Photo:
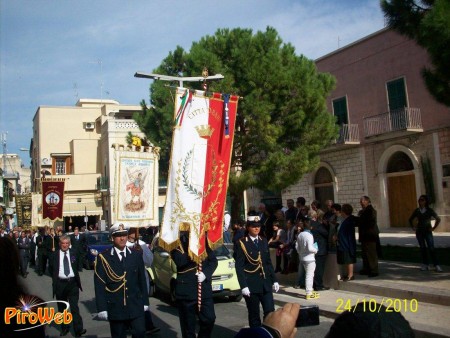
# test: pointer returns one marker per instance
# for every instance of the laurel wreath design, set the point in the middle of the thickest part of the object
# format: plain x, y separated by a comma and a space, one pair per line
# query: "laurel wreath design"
190, 188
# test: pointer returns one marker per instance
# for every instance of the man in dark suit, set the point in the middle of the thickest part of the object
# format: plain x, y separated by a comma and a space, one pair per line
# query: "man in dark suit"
79, 246
66, 284
186, 290
51, 246
368, 237
255, 273
120, 287
41, 263
24, 253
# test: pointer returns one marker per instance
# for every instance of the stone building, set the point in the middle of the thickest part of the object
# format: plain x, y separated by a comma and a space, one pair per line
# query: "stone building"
394, 141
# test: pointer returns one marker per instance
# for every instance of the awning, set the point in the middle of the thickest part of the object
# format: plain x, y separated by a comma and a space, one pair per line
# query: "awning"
82, 209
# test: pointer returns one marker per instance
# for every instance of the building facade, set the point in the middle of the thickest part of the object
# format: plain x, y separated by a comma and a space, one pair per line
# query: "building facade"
394, 142
76, 143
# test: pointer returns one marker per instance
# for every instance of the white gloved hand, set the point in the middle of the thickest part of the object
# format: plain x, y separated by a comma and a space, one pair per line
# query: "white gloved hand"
146, 308
103, 315
276, 286
201, 276
246, 292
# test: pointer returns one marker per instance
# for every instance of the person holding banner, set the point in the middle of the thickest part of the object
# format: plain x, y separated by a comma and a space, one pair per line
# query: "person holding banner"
255, 273
186, 290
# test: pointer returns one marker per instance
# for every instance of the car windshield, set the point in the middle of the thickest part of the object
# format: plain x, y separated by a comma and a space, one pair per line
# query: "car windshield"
98, 239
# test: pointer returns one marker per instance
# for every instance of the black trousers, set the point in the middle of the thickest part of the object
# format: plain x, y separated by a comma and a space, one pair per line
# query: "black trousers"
319, 271
266, 300
188, 309
369, 257
42, 263
69, 292
119, 327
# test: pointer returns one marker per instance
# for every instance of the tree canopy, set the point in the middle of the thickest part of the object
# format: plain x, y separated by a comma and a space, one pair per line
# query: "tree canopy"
282, 121
428, 23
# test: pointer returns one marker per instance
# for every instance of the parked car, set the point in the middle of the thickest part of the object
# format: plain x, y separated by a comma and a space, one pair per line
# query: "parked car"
164, 274
96, 242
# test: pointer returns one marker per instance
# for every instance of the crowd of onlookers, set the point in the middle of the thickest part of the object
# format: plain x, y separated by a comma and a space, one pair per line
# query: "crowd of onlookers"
309, 239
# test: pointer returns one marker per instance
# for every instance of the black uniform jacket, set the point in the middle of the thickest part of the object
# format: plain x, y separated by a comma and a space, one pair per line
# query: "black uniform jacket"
73, 258
187, 280
253, 265
120, 288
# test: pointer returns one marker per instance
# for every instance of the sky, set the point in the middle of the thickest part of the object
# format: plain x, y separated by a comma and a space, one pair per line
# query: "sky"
55, 52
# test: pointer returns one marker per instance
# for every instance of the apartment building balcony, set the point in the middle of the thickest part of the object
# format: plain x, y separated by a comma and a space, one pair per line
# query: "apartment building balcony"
348, 135
103, 183
394, 123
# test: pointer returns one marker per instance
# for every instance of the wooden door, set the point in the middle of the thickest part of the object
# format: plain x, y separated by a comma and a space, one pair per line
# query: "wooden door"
401, 198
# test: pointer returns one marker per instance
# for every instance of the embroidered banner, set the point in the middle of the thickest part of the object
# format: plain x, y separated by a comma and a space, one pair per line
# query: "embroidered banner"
36, 200
199, 168
136, 202
52, 198
24, 210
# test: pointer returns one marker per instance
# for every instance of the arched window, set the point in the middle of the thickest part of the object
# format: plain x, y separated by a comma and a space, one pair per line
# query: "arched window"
399, 162
323, 185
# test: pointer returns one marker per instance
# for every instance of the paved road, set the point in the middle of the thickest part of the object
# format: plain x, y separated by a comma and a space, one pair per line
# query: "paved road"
230, 316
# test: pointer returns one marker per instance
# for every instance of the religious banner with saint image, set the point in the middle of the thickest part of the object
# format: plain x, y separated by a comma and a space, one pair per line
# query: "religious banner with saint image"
52, 198
136, 202
199, 168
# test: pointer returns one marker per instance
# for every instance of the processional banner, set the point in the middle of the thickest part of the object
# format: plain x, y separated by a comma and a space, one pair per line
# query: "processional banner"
136, 202
52, 198
198, 176
24, 210
36, 200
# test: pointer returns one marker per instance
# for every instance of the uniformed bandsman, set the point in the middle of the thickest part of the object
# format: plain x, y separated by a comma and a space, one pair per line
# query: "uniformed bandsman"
120, 287
255, 273
186, 290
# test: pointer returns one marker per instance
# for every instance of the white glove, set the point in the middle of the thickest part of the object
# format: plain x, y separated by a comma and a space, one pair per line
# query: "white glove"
276, 286
103, 315
201, 276
246, 292
146, 308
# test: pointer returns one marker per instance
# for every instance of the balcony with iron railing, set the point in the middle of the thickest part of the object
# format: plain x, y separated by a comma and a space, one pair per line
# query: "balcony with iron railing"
394, 122
103, 183
348, 134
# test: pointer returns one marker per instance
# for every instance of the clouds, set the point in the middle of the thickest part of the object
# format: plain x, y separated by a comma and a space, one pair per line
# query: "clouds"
50, 49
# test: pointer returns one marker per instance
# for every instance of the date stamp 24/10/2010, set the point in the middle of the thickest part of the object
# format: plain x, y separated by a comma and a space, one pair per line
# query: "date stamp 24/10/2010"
372, 305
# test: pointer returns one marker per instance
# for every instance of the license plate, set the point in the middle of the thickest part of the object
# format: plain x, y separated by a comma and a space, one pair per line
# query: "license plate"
217, 287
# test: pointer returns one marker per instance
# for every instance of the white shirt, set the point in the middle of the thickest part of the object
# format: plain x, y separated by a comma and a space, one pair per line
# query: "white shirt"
226, 221
119, 251
61, 265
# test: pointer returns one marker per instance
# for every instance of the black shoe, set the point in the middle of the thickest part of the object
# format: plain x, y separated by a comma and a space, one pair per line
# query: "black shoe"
64, 331
39, 273
79, 334
371, 275
154, 329
343, 279
347, 279
323, 288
